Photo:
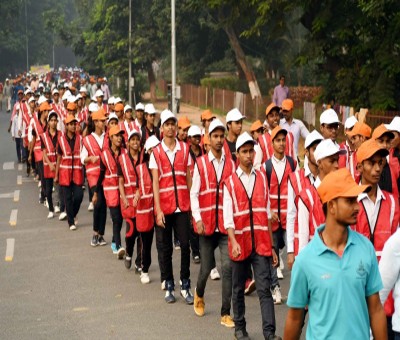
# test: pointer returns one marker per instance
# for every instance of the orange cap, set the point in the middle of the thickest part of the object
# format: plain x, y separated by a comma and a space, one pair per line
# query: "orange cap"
270, 107
99, 115
184, 122
256, 125
45, 106
206, 115
339, 183
380, 131
119, 107
360, 129
287, 105
71, 106
206, 139
70, 118
72, 89
368, 149
115, 130
277, 130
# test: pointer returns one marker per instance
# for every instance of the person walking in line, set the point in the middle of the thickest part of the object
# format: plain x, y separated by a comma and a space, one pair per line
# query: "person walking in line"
69, 172
169, 164
246, 216
206, 200
337, 274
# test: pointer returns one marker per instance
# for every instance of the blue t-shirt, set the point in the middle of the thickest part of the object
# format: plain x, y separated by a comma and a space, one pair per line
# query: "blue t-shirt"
335, 288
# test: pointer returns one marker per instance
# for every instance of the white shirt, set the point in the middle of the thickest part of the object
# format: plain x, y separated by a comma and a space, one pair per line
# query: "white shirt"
196, 182
18, 126
292, 210
99, 140
248, 183
279, 167
371, 208
258, 157
297, 128
303, 217
389, 268
138, 123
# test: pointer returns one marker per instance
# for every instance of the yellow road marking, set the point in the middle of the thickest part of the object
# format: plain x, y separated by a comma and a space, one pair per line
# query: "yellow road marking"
13, 217
10, 249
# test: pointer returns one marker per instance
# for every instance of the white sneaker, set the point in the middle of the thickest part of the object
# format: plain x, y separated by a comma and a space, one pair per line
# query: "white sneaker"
57, 209
72, 227
62, 216
121, 253
279, 273
145, 278
281, 262
214, 275
39, 184
90, 207
277, 296
163, 285
50, 215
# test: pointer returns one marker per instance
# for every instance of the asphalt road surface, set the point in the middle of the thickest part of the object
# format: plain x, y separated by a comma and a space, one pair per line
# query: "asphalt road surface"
54, 285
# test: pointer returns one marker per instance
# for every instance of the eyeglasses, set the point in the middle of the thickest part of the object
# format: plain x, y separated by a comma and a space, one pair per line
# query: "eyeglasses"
331, 126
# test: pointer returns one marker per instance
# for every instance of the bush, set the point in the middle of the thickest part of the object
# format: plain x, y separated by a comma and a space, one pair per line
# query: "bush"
226, 83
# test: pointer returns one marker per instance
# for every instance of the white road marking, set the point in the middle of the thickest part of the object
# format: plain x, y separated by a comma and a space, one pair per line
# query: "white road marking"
80, 309
19, 180
13, 217
16, 195
10, 249
8, 165
8, 195
20, 167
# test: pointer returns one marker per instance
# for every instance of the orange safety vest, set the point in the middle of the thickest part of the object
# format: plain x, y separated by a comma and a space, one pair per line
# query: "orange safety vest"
313, 203
70, 166
278, 192
51, 151
265, 143
394, 172
131, 126
344, 159
37, 149
174, 192
145, 206
94, 149
250, 217
210, 194
110, 182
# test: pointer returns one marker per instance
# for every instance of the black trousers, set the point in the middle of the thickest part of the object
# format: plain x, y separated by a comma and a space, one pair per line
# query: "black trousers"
116, 218
73, 196
40, 169
99, 211
49, 193
180, 224
262, 275
194, 241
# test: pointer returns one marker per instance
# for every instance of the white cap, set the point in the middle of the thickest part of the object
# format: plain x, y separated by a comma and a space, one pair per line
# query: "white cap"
55, 91
99, 93
83, 89
329, 117
312, 137
66, 86
150, 109
42, 99
52, 113
395, 124
93, 107
216, 124
31, 99
93, 99
243, 139
111, 100
78, 97
117, 100
71, 99
350, 122
194, 130
127, 107
28, 90
66, 95
165, 115
134, 132
112, 116
234, 115
41, 85
104, 78
151, 142
7, 79
139, 106
327, 148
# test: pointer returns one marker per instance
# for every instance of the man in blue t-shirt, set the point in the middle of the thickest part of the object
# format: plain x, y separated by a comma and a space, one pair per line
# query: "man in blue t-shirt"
337, 274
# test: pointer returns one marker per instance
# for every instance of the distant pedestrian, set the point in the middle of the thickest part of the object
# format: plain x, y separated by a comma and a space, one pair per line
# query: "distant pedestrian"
281, 92
8, 90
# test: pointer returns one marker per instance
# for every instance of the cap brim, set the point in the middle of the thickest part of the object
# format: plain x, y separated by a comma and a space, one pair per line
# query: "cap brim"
274, 107
247, 142
383, 152
355, 190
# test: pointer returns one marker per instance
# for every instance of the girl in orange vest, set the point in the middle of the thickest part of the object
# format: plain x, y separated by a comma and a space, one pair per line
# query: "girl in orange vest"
69, 170
109, 180
93, 144
49, 148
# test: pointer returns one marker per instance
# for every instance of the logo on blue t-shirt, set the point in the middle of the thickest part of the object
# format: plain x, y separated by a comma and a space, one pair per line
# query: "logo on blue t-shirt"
361, 269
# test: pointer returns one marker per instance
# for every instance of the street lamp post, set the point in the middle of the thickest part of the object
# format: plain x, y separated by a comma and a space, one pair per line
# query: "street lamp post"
173, 57
26, 39
130, 53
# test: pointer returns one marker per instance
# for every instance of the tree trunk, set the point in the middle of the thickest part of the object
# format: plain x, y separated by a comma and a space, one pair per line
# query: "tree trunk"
241, 60
152, 82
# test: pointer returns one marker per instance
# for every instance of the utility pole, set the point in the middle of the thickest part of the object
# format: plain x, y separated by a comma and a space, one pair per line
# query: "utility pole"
173, 57
26, 38
130, 53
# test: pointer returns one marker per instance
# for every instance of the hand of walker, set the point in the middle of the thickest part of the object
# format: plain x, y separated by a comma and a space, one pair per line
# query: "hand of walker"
126, 202
200, 228
94, 159
94, 198
274, 258
160, 219
275, 217
236, 251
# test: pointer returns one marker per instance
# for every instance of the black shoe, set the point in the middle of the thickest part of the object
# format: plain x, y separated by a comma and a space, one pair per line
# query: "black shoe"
102, 241
242, 335
128, 262
95, 241
177, 245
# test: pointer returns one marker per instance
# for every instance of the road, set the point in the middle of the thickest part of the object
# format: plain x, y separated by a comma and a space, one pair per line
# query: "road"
54, 285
